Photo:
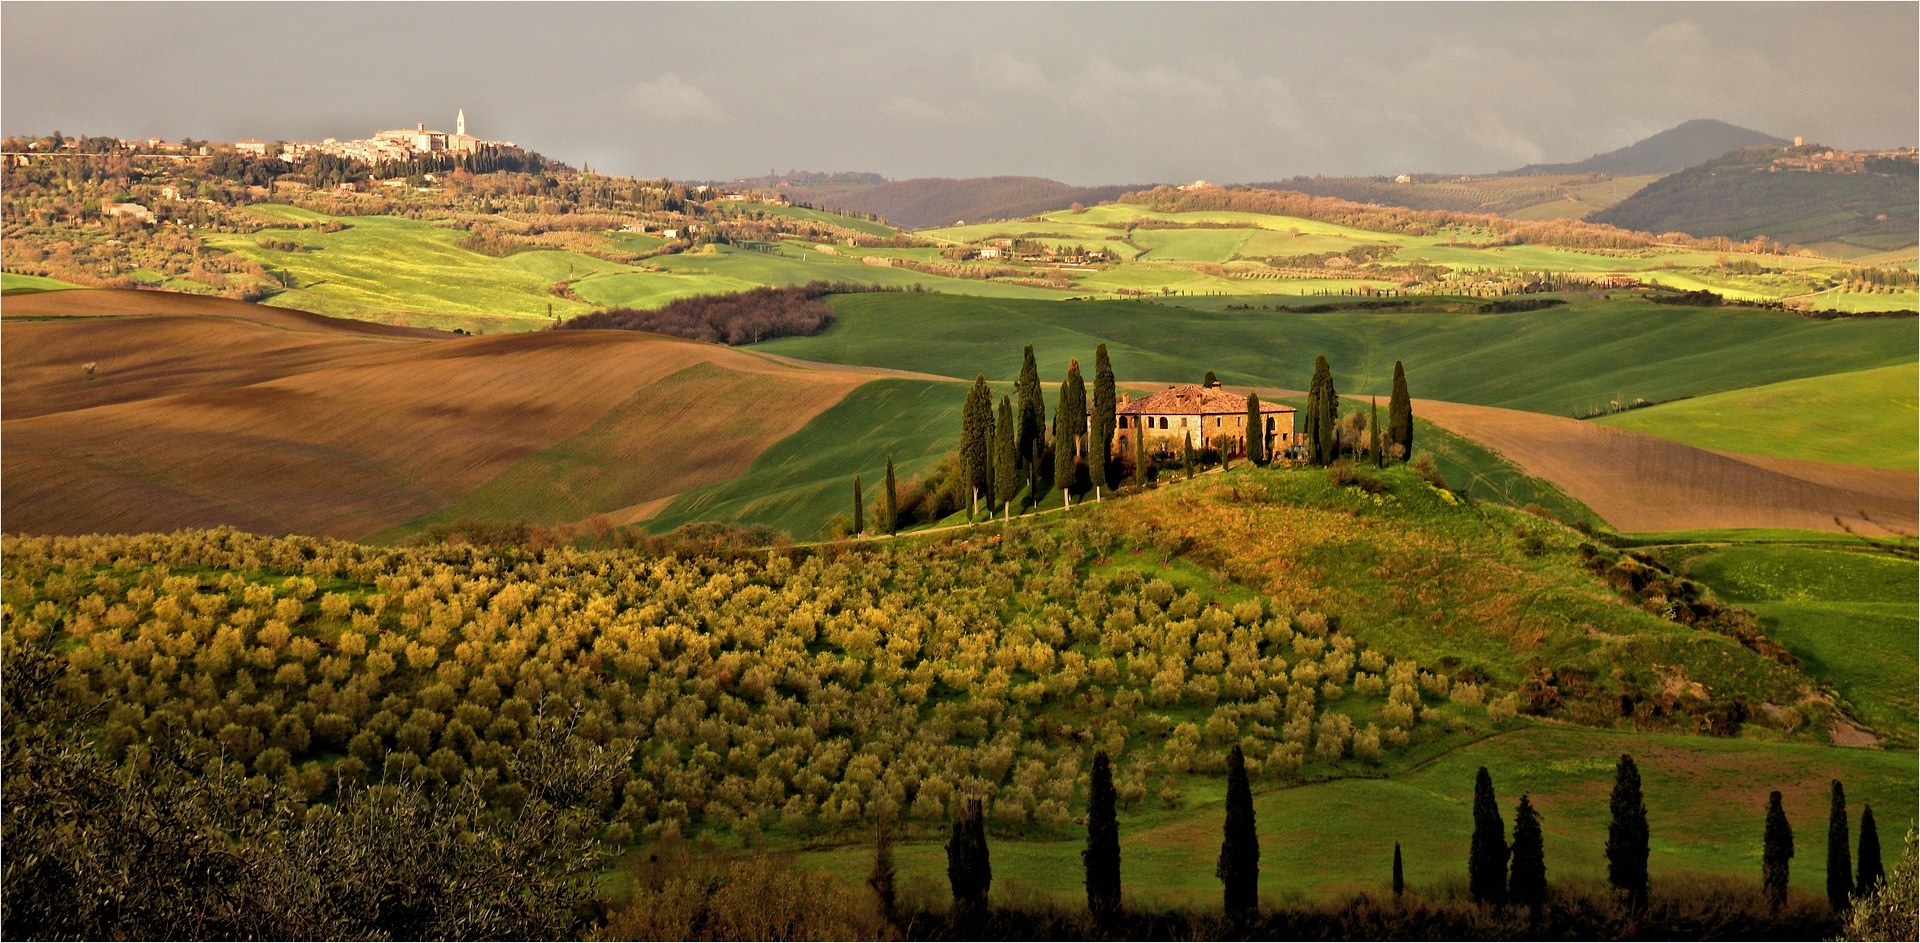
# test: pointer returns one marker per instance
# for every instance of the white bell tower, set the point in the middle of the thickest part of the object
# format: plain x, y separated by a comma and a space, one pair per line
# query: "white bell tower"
460, 123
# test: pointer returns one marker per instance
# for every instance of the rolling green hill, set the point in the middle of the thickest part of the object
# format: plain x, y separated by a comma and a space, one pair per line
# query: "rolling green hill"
1865, 417
1562, 360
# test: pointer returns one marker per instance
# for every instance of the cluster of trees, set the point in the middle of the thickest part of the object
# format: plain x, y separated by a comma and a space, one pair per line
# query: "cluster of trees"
1328, 437
766, 692
744, 317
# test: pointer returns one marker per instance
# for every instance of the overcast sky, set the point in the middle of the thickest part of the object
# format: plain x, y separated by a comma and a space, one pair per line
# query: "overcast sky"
1085, 92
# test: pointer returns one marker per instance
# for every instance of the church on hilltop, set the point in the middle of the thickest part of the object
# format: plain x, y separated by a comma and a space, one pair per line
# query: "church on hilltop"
419, 140
1200, 415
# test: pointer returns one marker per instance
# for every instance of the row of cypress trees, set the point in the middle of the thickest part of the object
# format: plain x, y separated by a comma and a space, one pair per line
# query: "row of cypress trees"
1498, 872
1490, 881
1843, 882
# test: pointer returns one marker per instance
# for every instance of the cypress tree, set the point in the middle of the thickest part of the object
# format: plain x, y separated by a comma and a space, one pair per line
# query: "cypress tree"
1487, 858
881, 878
1186, 453
1400, 414
1069, 423
1139, 453
1839, 851
1210, 380
1005, 480
1239, 865
1776, 851
1256, 431
976, 441
1627, 834
1101, 441
1323, 414
892, 510
1399, 876
1102, 857
969, 870
1374, 427
1872, 874
1031, 437
859, 509
1528, 883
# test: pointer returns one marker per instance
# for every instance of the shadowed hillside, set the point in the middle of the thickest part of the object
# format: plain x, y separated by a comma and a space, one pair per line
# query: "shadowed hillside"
1746, 194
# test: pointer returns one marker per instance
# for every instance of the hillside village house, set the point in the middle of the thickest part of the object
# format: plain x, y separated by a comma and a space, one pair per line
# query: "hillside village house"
1200, 415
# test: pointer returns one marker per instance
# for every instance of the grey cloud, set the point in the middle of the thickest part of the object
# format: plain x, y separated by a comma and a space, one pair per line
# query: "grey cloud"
1087, 93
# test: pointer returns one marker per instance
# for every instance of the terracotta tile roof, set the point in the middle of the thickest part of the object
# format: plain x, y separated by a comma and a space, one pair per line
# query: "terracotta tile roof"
1192, 400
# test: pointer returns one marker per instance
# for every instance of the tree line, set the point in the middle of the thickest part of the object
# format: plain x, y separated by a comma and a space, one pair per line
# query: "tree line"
734, 318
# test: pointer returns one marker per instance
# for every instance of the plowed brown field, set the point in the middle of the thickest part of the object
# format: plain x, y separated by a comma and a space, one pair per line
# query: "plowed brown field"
204, 412
1640, 483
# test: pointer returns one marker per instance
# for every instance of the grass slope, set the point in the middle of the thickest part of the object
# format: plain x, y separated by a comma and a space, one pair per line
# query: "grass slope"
11, 282
1865, 417
1557, 361
730, 269
1848, 614
799, 484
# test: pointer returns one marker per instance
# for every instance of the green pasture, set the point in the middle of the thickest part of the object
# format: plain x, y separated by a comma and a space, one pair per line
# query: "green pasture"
1865, 417
1562, 360
1848, 613
1706, 804
13, 281
800, 483
388, 268
1191, 245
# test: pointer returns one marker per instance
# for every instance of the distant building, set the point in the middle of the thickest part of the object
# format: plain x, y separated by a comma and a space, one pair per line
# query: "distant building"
1199, 415
250, 146
130, 210
1403, 178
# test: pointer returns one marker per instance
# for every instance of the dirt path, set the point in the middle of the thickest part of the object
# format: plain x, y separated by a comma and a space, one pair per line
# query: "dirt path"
1643, 484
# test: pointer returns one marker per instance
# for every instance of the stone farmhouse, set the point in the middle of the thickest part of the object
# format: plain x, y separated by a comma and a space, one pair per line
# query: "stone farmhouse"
1200, 415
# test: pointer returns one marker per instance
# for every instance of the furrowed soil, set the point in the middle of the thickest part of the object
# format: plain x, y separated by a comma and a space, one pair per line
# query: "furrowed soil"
1641, 483
205, 412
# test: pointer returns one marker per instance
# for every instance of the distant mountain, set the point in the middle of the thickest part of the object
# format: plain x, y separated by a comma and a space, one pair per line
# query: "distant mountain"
1671, 150
1867, 202
940, 201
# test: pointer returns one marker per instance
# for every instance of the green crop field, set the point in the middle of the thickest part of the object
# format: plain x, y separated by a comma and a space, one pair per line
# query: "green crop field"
800, 483
13, 281
1706, 800
1191, 245
1848, 613
388, 268
1561, 360
1866, 417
